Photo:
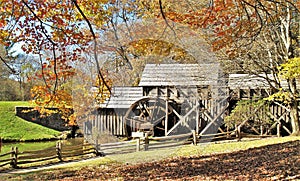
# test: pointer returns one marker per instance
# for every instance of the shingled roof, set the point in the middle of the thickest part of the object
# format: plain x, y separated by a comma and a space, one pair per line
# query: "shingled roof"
246, 81
180, 74
123, 97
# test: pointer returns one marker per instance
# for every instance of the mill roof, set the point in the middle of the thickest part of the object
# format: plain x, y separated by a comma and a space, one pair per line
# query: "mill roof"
246, 81
123, 97
180, 74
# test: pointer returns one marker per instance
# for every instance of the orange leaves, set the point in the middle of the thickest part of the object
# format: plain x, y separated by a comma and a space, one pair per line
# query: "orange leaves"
44, 98
146, 47
101, 91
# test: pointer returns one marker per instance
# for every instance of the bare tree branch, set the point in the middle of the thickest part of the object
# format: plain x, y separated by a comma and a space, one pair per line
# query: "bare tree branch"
52, 43
8, 66
95, 45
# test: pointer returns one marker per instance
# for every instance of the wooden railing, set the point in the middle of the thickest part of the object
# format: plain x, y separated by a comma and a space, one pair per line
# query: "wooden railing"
60, 153
142, 143
6, 161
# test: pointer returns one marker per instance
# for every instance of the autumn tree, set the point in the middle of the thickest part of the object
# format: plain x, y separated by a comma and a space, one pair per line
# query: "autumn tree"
243, 32
57, 33
149, 40
254, 36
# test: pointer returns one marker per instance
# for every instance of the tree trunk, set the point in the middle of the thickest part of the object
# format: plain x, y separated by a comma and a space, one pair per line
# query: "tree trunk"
294, 107
294, 118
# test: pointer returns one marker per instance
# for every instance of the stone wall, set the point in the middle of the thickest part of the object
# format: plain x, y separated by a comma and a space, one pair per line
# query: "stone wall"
53, 121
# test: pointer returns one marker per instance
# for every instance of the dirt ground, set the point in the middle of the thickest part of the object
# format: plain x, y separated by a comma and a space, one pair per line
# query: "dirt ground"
272, 162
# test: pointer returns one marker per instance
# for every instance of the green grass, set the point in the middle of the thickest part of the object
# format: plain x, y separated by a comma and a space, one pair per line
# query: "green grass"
28, 146
13, 128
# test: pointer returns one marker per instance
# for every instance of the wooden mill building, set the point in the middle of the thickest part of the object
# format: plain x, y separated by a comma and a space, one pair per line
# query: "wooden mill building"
184, 94
176, 99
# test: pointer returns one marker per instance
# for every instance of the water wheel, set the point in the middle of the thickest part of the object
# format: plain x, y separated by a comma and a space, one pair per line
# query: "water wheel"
150, 115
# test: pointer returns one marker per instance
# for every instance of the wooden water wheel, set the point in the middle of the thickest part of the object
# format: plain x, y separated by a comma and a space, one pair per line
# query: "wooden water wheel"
152, 115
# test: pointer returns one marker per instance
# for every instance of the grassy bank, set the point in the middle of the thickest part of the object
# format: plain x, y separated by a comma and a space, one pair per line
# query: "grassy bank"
13, 128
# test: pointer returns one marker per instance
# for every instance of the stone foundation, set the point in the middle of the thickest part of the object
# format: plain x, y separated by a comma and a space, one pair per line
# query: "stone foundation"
53, 121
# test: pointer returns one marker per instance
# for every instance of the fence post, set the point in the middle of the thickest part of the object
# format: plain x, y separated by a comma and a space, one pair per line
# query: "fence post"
58, 150
97, 148
278, 129
194, 137
138, 142
16, 157
13, 156
228, 134
146, 145
239, 133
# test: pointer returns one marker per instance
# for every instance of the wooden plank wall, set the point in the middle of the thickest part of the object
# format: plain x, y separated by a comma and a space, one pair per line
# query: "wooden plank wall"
107, 120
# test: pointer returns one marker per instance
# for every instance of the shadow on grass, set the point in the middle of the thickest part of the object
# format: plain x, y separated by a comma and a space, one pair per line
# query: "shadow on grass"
279, 162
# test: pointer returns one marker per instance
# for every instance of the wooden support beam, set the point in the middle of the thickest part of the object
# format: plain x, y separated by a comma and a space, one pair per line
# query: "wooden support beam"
213, 120
194, 137
255, 130
278, 122
182, 119
138, 143
166, 118
278, 129
197, 117
287, 130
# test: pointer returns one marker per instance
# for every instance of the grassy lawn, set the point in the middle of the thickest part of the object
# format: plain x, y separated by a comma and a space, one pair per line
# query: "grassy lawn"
14, 128
125, 160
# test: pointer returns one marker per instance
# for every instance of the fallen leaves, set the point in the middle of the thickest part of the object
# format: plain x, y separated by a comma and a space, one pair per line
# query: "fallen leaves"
272, 162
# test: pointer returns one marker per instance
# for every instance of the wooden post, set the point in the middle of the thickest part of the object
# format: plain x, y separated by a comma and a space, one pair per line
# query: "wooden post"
97, 152
239, 133
146, 145
197, 115
236, 131
16, 157
194, 137
166, 119
278, 129
13, 157
227, 130
138, 142
261, 130
58, 150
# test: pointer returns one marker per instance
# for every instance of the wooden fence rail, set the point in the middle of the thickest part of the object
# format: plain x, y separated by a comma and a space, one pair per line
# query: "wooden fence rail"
56, 154
61, 153
5, 161
151, 143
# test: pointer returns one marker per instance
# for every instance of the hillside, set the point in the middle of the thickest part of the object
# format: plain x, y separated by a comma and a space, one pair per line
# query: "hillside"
14, 128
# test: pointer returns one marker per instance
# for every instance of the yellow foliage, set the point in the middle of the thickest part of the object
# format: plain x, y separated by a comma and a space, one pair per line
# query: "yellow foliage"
291, 69
145, 47
44, 99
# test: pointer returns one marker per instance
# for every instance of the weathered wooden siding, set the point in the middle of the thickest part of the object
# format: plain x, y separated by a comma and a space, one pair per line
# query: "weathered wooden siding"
180, 82
106, 120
